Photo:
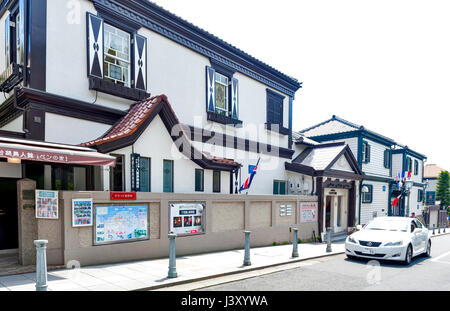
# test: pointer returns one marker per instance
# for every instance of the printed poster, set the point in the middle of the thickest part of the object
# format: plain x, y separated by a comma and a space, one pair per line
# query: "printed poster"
46, 204
121, 223
308, 212
187, 218
81, 212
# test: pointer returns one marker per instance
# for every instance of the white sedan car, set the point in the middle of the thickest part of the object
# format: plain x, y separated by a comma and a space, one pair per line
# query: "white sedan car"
390, 238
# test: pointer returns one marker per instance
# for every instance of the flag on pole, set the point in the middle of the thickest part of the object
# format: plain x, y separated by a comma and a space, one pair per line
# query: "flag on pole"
395, 202
248, 181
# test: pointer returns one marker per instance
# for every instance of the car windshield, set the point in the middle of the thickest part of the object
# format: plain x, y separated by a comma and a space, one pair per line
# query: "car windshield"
387, 224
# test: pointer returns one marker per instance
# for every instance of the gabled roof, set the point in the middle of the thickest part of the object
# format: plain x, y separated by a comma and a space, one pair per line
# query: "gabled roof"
337, 125
319, 160
405, 149
130, 127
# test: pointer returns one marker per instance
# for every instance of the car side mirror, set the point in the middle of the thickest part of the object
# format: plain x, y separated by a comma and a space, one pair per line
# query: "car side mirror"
358, 227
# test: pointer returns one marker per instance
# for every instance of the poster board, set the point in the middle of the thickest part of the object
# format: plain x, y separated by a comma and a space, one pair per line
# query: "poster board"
121, 223
46, 204
187, 218
81, 213
308, 212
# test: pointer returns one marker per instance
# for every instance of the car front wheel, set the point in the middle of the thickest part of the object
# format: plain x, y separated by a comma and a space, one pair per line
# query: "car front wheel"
408, 256
428, 251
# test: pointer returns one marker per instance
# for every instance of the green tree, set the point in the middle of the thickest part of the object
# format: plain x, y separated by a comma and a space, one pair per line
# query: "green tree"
443, 189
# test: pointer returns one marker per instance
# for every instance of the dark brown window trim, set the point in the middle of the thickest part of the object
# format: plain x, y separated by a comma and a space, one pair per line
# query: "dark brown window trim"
215, 117
238, 143
111, 88
277, 129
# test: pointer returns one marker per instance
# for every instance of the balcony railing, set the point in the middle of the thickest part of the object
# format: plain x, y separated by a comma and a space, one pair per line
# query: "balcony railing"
11, 77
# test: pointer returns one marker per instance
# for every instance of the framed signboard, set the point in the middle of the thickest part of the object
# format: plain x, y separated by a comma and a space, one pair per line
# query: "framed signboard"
121, 223
308, 212
187, 218
81, 212
46, 204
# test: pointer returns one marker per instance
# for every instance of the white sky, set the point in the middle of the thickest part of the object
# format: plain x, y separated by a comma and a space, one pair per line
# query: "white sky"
383, 64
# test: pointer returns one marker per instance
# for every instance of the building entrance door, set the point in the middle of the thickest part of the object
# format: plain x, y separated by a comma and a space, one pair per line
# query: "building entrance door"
8, 214
336, 211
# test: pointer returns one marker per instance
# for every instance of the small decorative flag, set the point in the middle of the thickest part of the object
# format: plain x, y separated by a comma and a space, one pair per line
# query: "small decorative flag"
248, 181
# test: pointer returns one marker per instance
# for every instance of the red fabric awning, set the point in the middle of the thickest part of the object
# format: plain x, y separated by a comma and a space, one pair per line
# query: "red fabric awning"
54, 153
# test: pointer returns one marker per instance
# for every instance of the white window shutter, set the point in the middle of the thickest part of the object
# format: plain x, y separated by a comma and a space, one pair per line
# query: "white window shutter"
235, 98
210, 89
140, 62
95, 45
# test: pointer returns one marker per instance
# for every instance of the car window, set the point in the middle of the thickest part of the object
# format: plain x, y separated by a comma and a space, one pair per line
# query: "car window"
418, 224
413, 226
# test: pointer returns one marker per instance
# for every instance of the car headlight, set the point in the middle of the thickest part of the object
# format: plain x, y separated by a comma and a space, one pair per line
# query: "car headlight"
351, 240
398, 243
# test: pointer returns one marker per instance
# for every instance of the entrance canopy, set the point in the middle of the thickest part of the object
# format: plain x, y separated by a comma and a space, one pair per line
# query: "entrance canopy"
26, 150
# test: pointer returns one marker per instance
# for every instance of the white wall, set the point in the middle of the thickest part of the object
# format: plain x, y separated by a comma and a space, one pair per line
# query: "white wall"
67, 56
66, 130
173, 70
376, 164
414, 206
15, 126
379, 202
397, 164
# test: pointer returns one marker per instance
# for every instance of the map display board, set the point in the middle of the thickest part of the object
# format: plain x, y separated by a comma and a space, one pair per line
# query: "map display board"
46, 204
187, 218
81, 212
308, 212
121, 223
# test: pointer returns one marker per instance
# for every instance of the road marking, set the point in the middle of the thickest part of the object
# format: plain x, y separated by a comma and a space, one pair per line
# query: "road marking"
437, 259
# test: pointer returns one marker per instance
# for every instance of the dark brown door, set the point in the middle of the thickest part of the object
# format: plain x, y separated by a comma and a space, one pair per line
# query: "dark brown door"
8, 214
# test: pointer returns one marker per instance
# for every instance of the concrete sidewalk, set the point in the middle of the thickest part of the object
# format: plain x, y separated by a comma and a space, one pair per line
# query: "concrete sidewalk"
152, 274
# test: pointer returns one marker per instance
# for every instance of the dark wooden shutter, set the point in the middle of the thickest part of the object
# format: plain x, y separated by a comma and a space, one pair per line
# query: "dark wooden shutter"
210, 89
235, 98
7, 41
95, 45
140, 62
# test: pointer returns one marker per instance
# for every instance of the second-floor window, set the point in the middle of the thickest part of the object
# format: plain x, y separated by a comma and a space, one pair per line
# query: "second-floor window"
387, 158
274, 108
365, 152
15, 35
416, 167
117, 56
222, 95
221, 90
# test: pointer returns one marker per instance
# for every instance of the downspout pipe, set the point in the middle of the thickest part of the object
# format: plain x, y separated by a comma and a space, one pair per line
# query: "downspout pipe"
16, 106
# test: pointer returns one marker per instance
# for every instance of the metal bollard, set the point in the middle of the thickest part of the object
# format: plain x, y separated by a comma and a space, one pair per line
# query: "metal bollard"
41, 265
247, 249
439, 229
434, 226
172, 257
329, 240
295, 243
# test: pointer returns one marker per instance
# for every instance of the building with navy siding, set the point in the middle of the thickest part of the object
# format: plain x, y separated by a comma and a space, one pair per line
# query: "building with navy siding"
380, 159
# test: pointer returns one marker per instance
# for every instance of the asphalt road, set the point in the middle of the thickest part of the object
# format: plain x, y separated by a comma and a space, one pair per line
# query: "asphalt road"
338, 273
